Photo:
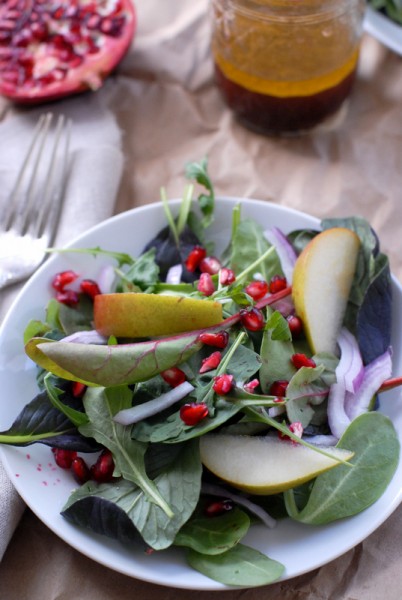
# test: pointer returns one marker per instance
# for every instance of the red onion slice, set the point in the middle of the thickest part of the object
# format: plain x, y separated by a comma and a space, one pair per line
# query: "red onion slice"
106, 279
139, 412
174, 274
285, 251
350, 367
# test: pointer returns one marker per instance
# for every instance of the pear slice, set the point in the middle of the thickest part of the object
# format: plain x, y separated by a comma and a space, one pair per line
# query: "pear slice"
265, 465
322, 280
151, 315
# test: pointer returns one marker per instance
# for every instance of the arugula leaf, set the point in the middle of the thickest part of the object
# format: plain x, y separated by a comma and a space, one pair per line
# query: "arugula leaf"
199, 172
101, 404
343, 492
142, 275
240, 565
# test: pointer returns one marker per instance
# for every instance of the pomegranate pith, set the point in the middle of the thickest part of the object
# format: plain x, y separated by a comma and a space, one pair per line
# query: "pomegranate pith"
50, 49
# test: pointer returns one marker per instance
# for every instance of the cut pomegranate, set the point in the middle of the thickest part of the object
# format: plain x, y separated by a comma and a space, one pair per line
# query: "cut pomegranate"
252, 319
211, 265
64, 458
205, 284
78, 389
295, 325
193, 413
62, 279
300, 360
211, 362
54, 48
68, 297
277, 284
102, 470
257, 289
218, 507
217, 340
226, 276
278, 388
194, 258
90, 288
296, 428
174, 376
80, 470
251, 385
223, 384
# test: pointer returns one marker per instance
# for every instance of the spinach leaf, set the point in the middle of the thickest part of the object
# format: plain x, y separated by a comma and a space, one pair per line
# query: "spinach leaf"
345, 491
179, 484
304, 389
214, 535
240, 565
101, 404
276, 353
248, 244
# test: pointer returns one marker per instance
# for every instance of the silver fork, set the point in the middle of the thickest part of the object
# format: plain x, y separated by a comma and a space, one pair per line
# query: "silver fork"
29, 218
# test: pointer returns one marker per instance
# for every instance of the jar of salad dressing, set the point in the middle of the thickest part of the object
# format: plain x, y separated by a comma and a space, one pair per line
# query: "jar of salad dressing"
286, 66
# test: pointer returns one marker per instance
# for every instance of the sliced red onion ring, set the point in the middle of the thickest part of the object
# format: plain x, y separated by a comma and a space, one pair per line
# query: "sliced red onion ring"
137, 413
174, 274
321, 440
86, 337
350, 367
375, 373
285, 251
338, 420
106, 279
216, 490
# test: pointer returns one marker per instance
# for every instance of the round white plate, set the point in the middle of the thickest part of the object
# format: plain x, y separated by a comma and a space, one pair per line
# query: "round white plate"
383, 29
45, 488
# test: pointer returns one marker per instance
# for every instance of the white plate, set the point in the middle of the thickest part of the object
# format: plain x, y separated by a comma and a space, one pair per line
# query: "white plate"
46, 488
383, 29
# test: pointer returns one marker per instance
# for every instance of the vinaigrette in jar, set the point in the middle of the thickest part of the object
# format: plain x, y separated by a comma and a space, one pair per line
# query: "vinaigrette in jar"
286, 66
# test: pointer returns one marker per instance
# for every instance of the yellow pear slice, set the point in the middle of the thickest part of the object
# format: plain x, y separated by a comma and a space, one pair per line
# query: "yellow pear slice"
151, 315
265, 465
322, 281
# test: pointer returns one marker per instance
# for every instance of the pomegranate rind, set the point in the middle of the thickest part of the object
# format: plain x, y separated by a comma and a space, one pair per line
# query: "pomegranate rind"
89, 76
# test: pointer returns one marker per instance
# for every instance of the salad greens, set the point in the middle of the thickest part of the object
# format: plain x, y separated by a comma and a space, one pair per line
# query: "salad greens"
160, 492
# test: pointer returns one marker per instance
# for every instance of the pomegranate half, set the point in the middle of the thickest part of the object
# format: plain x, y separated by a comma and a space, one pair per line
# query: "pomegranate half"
50, 49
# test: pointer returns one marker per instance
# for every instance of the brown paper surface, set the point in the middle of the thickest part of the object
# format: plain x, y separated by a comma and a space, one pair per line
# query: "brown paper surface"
170, 112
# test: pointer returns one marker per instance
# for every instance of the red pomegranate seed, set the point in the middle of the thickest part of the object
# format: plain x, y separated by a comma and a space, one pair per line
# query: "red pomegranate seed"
252, 319
278, 388
218, 507
68, 297
194, 258
211, 362
174, 376
205, 284
277, 284
60, 280
251, 385
64, 458
193, 413
226, 276
223, 384
301, 360
90, 288
80, 470
295, 325
211, 265
296, 428
102, 470
78, 389
257, 289
217, 340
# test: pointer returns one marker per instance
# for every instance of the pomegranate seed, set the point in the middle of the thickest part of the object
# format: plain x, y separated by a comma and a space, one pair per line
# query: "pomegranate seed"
257, 289
277, 284
80, 470
223, 384
279, 387
68, 297
60, 280
251, 385
211, 362
64, 458
211, 265
193, 413
226, 276
194, 258
296, 428
301, 360
113, 26
94, 21
252, 319
218, 507
102, 470
217, 340
174, 376
295, 325
78, 389
90, 288
205, 284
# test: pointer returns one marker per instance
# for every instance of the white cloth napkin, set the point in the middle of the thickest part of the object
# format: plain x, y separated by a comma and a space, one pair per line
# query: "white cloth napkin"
95, 168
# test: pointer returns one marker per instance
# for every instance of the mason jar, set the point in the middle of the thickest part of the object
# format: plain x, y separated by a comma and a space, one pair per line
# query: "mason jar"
286, 66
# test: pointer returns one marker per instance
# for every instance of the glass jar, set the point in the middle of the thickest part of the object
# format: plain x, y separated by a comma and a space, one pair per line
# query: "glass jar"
286, 66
